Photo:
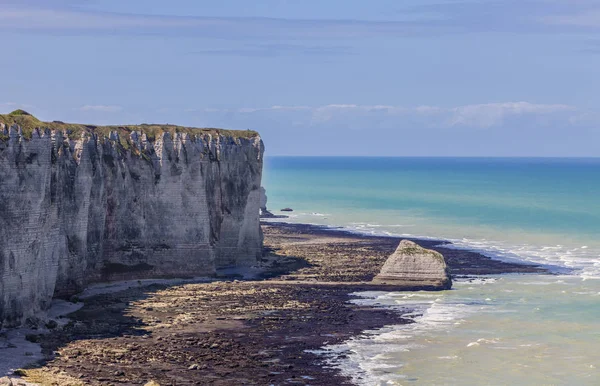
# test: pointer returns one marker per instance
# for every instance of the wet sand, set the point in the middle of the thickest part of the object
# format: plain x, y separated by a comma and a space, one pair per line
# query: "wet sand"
239, 332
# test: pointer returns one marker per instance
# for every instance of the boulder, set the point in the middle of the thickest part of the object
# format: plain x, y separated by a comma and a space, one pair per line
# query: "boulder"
415, 267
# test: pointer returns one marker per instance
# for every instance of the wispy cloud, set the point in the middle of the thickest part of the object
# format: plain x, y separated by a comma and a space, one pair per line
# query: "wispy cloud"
588, 18
275, 50
521, 16
492, 114
249, 110
548, 16
101, 108
66, 20
477, 116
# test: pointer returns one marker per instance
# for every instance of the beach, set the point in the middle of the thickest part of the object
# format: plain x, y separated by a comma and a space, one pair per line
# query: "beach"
267, 330
504, 328
368, 193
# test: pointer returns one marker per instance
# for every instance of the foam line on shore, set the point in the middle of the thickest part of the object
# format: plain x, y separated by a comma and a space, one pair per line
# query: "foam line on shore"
365, 358
559, 259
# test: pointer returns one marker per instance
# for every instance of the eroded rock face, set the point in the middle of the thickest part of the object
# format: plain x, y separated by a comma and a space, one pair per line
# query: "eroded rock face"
78, 211
263, 199
414, 267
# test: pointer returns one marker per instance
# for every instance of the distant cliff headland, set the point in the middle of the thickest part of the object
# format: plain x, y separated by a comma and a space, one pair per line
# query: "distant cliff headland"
82, 203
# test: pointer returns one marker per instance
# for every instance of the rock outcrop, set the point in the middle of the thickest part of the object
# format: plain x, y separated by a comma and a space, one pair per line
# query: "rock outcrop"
263, 200
414, 267
264, 212
82, 204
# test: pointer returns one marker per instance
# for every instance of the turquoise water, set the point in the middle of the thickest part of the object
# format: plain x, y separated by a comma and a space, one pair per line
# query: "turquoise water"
543, 210
512, 329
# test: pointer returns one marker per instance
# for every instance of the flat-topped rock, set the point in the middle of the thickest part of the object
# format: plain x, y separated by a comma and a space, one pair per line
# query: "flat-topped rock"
415, 267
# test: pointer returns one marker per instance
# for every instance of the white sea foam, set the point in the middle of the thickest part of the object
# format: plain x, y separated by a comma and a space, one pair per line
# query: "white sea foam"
583, 261
475, 280
559, 258
366, 358
376, 358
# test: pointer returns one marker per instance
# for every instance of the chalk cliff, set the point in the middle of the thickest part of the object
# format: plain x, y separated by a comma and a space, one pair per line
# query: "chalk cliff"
415, 267
81, 204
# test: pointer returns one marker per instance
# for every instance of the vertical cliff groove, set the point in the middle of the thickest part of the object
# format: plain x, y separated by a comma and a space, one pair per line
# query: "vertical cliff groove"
83, 204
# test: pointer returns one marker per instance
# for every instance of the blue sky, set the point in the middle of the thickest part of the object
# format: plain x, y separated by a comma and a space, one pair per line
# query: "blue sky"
326, 77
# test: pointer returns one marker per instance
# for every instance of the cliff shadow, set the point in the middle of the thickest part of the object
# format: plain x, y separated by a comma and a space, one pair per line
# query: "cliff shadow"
103, 316
278, 265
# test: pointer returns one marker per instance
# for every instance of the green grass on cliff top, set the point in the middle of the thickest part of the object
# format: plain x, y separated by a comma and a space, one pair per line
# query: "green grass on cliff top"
28, 123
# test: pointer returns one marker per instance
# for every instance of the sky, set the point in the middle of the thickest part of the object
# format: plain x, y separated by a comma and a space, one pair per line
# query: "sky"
318, 77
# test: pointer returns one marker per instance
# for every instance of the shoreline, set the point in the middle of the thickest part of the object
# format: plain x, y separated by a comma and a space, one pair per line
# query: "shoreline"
488, 251
463, 262
241, 331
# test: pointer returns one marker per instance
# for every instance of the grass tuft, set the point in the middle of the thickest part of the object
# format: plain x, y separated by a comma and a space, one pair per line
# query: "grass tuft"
29, 124
19, 112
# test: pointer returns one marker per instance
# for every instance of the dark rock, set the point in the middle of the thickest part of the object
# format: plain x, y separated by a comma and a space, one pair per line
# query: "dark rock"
33, 338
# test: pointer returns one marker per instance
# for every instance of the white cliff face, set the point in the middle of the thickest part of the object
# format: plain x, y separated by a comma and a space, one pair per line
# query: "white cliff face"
415, 267
75, 211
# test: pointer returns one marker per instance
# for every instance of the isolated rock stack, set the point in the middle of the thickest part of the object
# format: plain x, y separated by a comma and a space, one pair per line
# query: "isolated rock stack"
414, 267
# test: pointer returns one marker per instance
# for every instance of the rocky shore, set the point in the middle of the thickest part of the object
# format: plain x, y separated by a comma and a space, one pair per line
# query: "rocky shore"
237, 331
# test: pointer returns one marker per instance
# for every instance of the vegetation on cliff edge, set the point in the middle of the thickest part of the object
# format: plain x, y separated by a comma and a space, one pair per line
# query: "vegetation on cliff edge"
29, 123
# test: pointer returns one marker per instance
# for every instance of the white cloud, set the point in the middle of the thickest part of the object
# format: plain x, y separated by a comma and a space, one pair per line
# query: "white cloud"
476, 115
101, 108
492, 114
247, 110
479, 116
251, 110
290, 108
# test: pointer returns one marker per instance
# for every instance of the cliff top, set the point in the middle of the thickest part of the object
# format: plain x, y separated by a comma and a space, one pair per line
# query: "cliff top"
28, 123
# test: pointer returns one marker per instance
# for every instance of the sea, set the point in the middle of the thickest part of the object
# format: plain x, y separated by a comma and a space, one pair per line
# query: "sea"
515, 329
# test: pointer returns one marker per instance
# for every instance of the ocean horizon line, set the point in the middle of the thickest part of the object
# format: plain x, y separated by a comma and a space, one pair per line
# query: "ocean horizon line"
434, 156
